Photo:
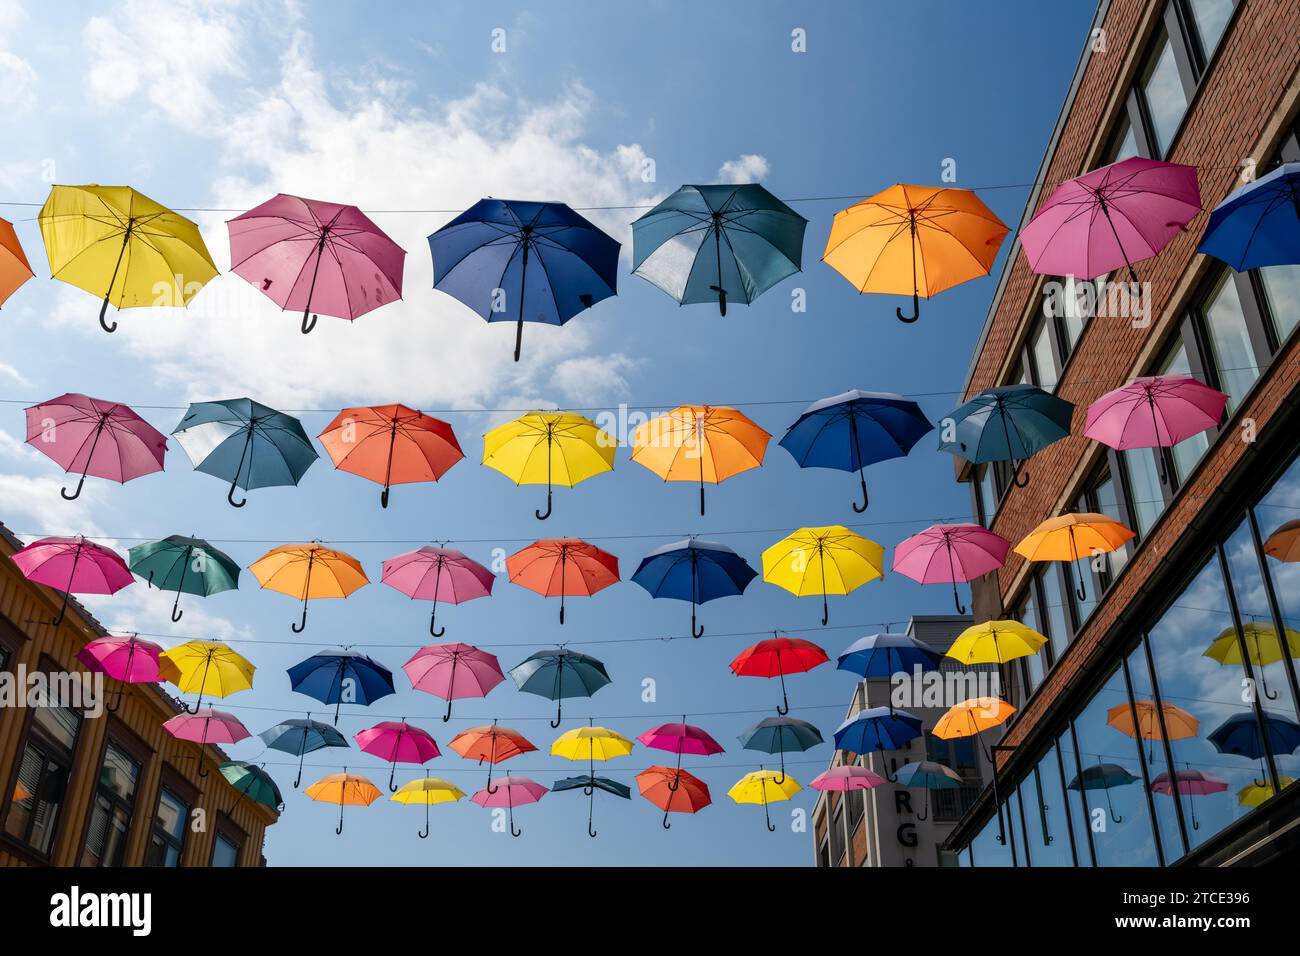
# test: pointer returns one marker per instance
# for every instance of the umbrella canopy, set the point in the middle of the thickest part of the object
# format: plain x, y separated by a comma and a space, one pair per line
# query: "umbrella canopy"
682, 738
1259, 224
927, 775
568, 567
696, 571
390, 445
301, 736
948, 553
776, 657
427, 791
828, 560
333, 677
206, 726
883, 655
492, 744
345, 789
551, 448
846, 777
453, 672
127, 658
700, 443
118, 243
673, 790
764, 786
591, 743
854, 429
1284, 543
307, 572
1071, 537
14, 268
589, 784
322, 257
972, 717
1194, 782
1263, 645
718, 243
207, 667
184, 565
1007, 423
1102, 777
437, 574
1257, 792
877, 728
95, 437
252, 782
245, 443
1111, 217
1179, 724
995, 642
1239, 735
781, 735
397, 742
510, 792
483, 258
1155, 411
558, 674
914, 239
73, 566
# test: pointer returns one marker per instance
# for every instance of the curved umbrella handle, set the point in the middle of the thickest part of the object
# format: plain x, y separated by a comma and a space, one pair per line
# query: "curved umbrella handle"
230, 496
667, 825
514, 832
73, 497
767, 817
956, 599
916, 310
435, 631
925, 813
696, 632
308, 321
722, 299
866, 500
177, 613
591, 804
383, 498
424, 834
113, 708
447, 716
826, 611
63, 610
392, 784
339, 829
543, 515
301, 625
103, 311
559, 705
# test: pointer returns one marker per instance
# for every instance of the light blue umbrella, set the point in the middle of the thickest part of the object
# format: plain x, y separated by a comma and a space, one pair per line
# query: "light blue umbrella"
300, 737
926, 775
559, 673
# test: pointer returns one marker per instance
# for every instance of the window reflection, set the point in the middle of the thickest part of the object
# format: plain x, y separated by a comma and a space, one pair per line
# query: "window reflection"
1210, 18
1162, 88
1189, 451
1077, 797
1230, 345
1043, 799
1282, 297
1151, 730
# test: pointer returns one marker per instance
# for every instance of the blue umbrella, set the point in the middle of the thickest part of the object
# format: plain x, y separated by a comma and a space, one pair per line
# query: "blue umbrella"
482, 257
1102, 777
781, 735
854, 429
1007, 423
927, 775
330, 676
694, 570
245, 443
589, 784
300, 737
1239, 735
560, 673
881, 656
877, 728
711, 243
1259, 224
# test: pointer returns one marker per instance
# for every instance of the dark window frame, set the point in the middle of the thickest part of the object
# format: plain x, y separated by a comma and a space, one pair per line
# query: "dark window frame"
125, 740
172, 781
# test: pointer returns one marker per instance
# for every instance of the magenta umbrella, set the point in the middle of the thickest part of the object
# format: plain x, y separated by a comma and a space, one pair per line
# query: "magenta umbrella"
680, 739
846, 777
95, 437
73, 566
206, 726
437, 574
1155, 411
397, 742
1111, 217
321, 257
453, 671
1194, 783
129, 659
945, 553
510, 792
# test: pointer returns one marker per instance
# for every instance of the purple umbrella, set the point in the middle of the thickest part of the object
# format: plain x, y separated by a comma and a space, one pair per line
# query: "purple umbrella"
95, 437
437, 574
950, 553
510, 792
73, 566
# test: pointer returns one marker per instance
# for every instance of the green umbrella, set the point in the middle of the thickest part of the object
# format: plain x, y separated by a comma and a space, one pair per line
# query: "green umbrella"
186, 566
252, 782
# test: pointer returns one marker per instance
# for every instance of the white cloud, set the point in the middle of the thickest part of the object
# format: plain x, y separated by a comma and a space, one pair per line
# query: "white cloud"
748, 168
18, 80
593, 379
13, 375
28, 503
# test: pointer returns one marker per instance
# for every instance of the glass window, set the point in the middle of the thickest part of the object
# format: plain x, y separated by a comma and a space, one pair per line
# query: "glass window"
987, 849
837, 829
1056, 615
225, 852
1162, 91
1210, 18
1105, 499
1040, 353
1282, 297
1043, 800
1151, 735
168, 841
1230, 345
1123, 143
1188, 452
110, 818
1144, 485
1080, 818
42, 781
1035, 664
1015, 828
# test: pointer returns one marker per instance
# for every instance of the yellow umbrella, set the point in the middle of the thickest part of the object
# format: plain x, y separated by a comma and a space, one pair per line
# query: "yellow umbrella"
591, 743
427, 791
1257, 791
972, 717
829, 560
704, 443
551, 448
307, 571
115, 242
1071, 537
1263, 647
206, 667
995, 642
764, 786
345, 789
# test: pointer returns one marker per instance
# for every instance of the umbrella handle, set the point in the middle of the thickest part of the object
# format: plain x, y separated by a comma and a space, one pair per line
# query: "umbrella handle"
1018, 477
103, 311
447, 716
925, 813
916, 311
230, 496
543, 515
956, 599
722, 299
308, 322
667, 825
767, 818
383, 498
696, 632
826, 611
392, 785
177, 613
514, 832
80, 482
339, 829
113, 709
859, 508
559, 705
435, 631
63, 610
301, 625
424, 834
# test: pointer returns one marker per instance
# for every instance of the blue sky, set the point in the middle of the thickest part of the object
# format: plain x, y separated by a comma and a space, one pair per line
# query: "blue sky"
207, 104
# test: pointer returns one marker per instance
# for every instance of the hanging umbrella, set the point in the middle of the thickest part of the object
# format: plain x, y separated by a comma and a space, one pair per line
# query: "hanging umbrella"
555, 448
1284, 543
453, 672
1263, 644
322, 257
1103, 777
995, 642
333, 676
427, 791
776, 657
680, 739
764, 786
877, 728
714, 243
73, 566
437, 574
854, 429
1007, 423
781, 736
207, 667
115, 242
881, 656
1193, 783
481, 258
511, 792
694, 570
591, 744
1239, 735
1155, 411
589, 784
245, 443
948, 553
390, 445
568, 567
206, 726
253, 782
309, 571
14, 268
1111, 217
129, 659
972, 717
185, 566
673, 790
345, 789
927, 775
301, 736
1257, 792
699, 443
1259, 224
397, 742
559, 673
1071, 537
493, 744
1178, 722
95, 437
914, 239
829, 560
845, 778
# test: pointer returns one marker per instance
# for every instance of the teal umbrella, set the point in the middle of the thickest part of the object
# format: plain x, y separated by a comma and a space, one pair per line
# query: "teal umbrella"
926, 775
781, 735
184, 565
1007, 423
1102, 777
589, 784
252, 782
560, 673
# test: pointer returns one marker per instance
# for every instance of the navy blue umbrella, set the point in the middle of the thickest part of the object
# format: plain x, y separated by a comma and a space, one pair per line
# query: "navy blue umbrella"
300, 737
332, 676
1007, 423
694, 570
881, 656
1259, 224
589, 784
877, 728
781, 735
483, 258
1239, 735
854, 429
559, 673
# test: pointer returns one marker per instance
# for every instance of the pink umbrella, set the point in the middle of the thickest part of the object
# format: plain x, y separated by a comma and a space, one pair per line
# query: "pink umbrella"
73, 566
321, 257
847, 777
950, 553
1155, 411
398, 742
95, 437
206, 726
437, 574
452, 671
680, 739
1111, 217
510, 792
1194, 783
129, 659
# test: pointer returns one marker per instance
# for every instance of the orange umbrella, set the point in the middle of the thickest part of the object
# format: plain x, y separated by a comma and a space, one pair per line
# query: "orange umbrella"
306, 571
914, 239
563, 566
1071, 537
14, 268
1284, 543
699, 443
972, 717
1178, 722
391, 445
345, 789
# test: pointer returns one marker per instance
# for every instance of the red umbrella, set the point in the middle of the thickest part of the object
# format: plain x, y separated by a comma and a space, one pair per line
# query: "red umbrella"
493, 744
563, 566
673, 790
453, 671
95, 437
206, 726
438, 574
73, 566
397, 742
776, 657
391, 445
